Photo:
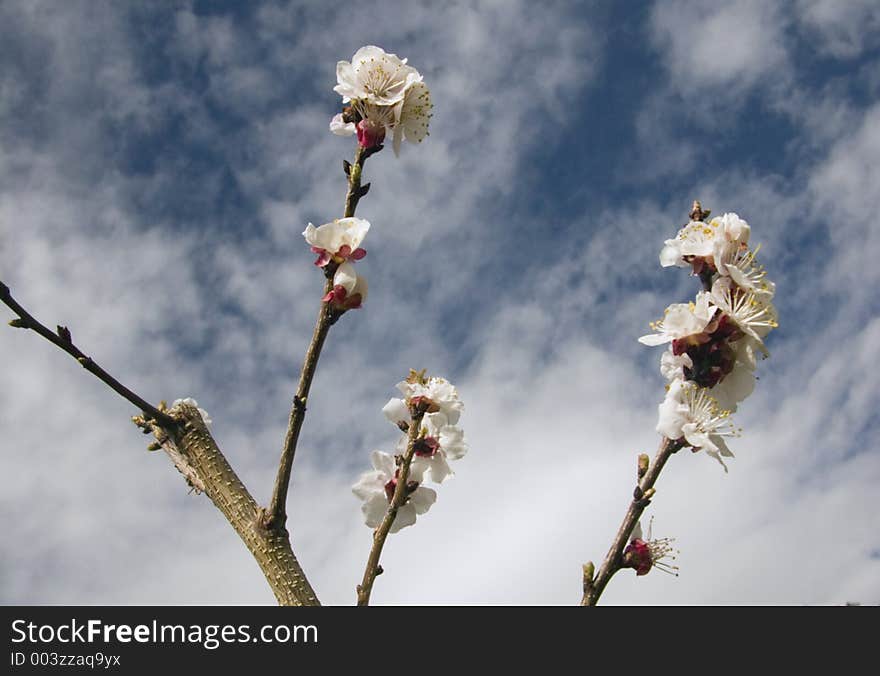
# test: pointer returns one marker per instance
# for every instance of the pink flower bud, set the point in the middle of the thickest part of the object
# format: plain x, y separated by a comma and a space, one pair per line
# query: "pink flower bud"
370, 133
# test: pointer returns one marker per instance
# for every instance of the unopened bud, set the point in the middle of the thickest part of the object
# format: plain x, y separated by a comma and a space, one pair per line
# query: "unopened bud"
643, 465
650, 493
370, 133
589, 570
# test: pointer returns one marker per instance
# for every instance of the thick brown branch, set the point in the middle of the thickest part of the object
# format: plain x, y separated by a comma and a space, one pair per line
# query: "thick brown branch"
401, 492
594, 587
191, 440
276, 514
62, 339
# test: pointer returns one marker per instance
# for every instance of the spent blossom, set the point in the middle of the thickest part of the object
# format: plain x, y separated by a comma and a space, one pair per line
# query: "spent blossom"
645, 554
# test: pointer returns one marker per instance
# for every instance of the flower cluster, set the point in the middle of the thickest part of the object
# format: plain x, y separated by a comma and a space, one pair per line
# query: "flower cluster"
383, 94
713, 340
439, 440
338, 243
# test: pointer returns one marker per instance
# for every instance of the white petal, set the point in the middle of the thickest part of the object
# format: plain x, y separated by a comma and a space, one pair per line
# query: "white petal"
670, 254
452, 442
422, 499
374, 510
396, 411
369, 484
406, 516
654, 339
345, 277
383, 463
637, 532
340, 127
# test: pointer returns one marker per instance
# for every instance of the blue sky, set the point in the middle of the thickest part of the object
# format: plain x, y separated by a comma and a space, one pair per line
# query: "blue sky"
158, 164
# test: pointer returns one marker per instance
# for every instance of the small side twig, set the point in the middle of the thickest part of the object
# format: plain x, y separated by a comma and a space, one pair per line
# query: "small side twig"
373, 569
642, 495
275, 515
61, 338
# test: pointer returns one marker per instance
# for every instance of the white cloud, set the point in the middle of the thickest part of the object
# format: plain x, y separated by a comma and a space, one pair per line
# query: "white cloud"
557, 406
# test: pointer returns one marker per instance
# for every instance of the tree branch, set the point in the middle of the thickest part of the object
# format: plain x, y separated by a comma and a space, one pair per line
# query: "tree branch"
192, 449
373, 569
191, 440
62, 339
594, 586
276, 514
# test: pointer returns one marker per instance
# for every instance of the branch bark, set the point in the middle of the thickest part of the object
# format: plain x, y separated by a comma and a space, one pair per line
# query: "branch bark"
62, 338
191, 440
594, 586
276, 514
194, 452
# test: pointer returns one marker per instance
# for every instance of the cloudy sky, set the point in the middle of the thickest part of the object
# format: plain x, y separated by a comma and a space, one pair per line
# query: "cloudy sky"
158, 162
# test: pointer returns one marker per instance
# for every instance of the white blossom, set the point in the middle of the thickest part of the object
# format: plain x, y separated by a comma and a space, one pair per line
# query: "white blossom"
339, 240
738, 262
681, 320
349, 288
375, 77
689, 412
701, 241
440, 392
376, 488
440, 443
752, 313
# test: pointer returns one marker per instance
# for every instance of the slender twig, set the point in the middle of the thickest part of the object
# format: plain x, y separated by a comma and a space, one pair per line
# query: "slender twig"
401, 492
62, 339
276, 514
594, 587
